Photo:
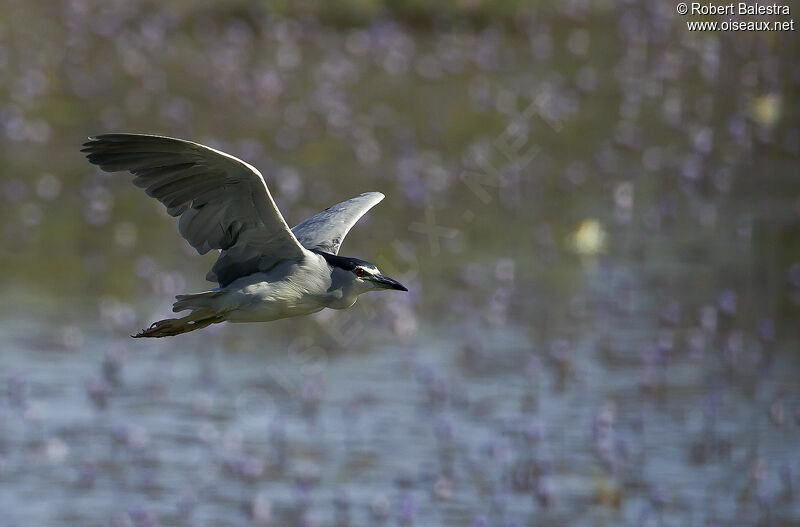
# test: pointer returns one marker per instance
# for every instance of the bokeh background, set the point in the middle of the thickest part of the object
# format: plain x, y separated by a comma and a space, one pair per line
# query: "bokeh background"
597, 214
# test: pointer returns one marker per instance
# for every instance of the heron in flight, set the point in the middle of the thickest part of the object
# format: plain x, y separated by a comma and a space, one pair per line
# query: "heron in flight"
265, 271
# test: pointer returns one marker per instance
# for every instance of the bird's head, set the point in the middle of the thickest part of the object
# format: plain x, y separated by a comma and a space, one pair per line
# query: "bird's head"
360, 274
369, 278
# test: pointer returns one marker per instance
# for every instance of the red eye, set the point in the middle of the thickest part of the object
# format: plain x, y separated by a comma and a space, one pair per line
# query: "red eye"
359, 272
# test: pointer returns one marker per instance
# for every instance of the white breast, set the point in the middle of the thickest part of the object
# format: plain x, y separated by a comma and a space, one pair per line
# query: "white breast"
288, 290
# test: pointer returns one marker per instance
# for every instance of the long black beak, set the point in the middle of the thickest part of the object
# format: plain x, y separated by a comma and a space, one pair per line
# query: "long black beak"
388, 283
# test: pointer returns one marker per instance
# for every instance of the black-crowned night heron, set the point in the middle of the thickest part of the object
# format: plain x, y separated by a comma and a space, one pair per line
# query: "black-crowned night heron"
265, 270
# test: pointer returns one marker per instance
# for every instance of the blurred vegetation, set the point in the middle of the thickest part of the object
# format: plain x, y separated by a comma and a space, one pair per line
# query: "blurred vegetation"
417, 13
404, 97
597, 214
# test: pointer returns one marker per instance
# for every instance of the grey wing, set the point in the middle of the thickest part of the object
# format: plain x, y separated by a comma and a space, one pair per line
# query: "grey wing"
326, 231
223, 202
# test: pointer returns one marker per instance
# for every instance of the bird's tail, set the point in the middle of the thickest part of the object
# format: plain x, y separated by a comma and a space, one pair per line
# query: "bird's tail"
196, 301
203, 314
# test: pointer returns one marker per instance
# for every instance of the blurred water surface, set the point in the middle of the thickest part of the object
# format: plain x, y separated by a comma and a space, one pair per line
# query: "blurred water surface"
597, 214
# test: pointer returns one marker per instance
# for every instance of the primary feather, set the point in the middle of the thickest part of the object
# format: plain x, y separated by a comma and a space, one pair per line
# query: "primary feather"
223, 202
326, 231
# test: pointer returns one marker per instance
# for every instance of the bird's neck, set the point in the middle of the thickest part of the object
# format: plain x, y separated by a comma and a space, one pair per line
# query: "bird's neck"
343, 291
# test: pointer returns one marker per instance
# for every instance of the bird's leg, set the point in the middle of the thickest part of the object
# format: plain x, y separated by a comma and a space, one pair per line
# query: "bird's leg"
176, 326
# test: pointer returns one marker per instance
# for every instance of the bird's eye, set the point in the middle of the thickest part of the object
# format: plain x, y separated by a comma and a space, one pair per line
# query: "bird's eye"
360, 272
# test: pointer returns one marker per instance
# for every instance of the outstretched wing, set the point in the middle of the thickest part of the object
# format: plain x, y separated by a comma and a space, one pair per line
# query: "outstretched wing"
326, 230
223, 202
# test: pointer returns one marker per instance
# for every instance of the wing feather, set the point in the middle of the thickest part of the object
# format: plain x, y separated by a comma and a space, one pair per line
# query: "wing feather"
223, 202
326, 231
